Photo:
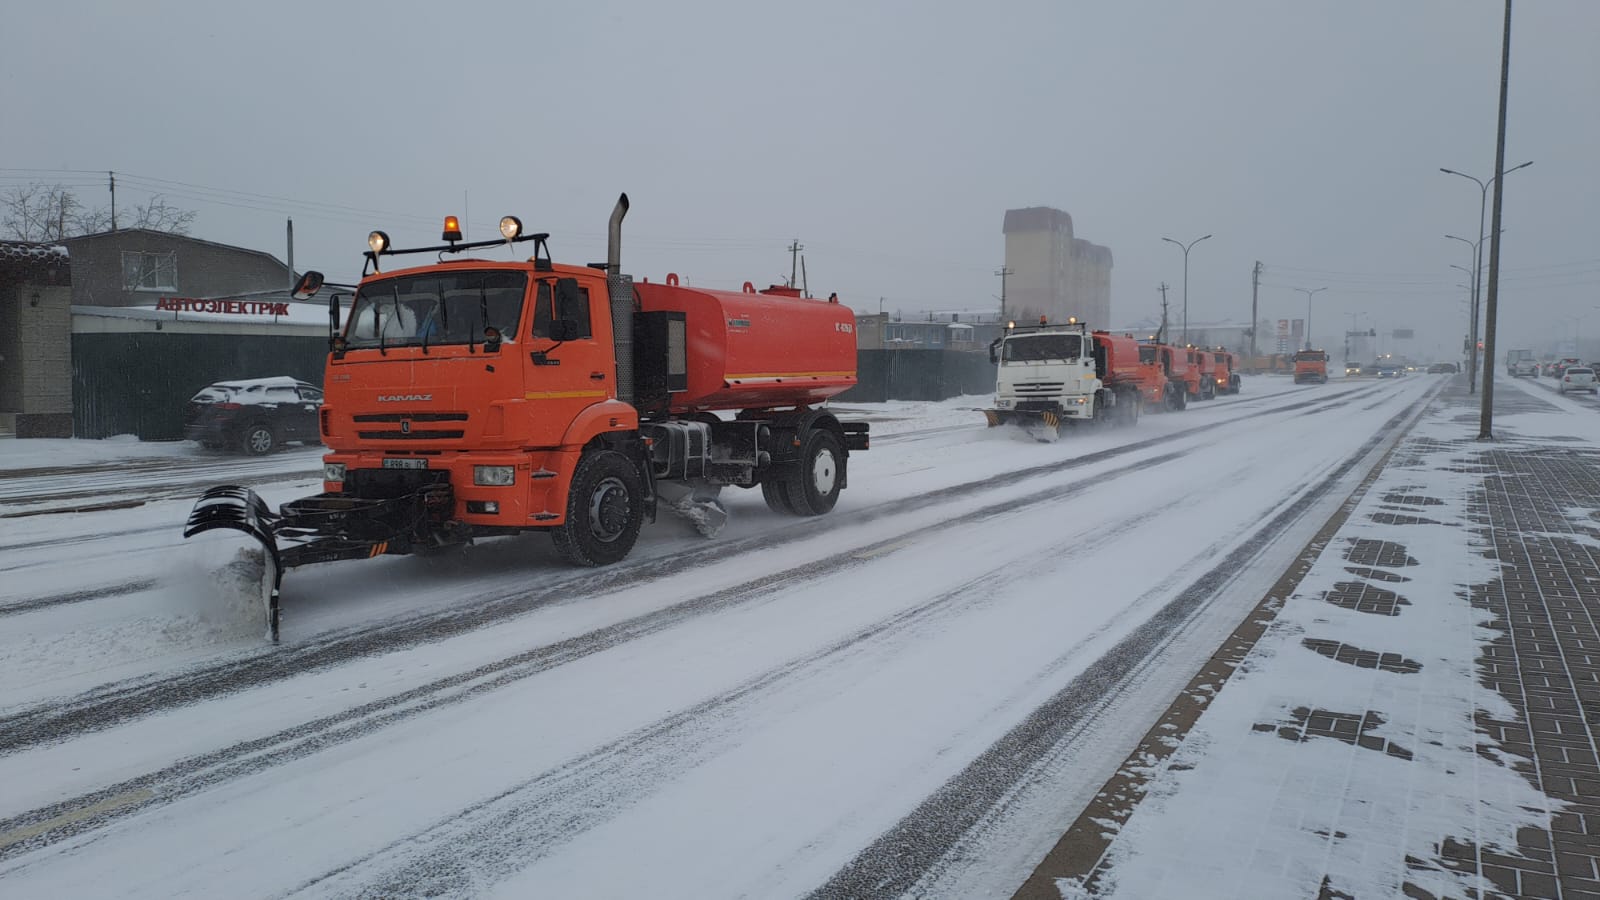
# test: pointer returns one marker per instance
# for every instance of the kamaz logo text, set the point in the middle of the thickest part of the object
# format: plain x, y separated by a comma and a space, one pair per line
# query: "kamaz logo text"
404, 398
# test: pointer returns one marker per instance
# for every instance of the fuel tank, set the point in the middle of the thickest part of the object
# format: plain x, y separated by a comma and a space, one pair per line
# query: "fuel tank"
757, 349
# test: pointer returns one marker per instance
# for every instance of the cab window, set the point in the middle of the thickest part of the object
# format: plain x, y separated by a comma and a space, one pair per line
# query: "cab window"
562, 298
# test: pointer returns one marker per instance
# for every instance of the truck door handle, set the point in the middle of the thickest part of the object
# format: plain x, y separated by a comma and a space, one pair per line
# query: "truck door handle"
598, 376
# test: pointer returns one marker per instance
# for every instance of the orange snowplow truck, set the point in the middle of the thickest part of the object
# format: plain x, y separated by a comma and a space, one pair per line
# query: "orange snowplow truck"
1180, 379
1311, 365
1226, 372
469, 397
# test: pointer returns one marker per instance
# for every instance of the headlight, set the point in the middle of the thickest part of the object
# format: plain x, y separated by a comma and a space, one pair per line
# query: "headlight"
332, 471
497, 476
1002, 404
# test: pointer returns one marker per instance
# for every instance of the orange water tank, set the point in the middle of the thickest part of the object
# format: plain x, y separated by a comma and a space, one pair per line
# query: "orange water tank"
756, 350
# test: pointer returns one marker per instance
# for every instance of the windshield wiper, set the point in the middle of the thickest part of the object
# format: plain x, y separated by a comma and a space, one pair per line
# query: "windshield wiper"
384, 326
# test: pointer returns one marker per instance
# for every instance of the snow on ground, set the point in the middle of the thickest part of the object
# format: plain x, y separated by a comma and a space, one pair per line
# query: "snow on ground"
752, 744
1250, 806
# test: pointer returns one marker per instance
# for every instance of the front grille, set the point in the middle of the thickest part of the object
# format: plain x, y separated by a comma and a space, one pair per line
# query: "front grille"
415, 417
1039, 387
413, 435
408, 430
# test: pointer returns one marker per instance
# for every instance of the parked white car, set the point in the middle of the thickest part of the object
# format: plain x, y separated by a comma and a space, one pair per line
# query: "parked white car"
1577, 378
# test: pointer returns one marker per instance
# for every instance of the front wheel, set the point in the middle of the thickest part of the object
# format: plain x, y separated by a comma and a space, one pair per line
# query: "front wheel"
605, 508
812, 486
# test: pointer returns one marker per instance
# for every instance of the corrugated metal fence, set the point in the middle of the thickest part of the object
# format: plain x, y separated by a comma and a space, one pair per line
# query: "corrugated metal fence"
140, 383
920, 375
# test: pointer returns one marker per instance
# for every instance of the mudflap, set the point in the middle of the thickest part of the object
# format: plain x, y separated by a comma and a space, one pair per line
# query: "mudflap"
239, 509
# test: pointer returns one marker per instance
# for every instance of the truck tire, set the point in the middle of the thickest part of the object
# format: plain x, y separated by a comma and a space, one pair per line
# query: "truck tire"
776, 492
813, 486
258, 439
605, 508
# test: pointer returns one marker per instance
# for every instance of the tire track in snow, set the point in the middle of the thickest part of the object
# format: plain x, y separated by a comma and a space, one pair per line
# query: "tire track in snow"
61, 821
909, 857
113, 704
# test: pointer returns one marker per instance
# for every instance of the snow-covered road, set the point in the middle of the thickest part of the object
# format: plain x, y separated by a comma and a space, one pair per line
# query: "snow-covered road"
914, 694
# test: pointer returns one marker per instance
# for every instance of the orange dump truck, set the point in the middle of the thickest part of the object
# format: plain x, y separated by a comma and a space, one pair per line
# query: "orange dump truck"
1311, 366
472, 397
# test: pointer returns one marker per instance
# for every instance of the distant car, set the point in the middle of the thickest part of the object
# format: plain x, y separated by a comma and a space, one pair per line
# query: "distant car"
1577, 378
1352, 368
1439, 369
255, 416
1389, 370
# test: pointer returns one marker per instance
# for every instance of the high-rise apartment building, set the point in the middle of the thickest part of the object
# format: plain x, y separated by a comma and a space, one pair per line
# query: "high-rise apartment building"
1054, 273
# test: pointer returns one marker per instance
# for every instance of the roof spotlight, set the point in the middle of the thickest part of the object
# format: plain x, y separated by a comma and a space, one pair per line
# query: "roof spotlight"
510, 227
452, 229
378, 241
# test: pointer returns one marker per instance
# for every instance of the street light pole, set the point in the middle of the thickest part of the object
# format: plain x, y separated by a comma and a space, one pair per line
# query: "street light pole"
1309, 294
1185, 248
1477, 262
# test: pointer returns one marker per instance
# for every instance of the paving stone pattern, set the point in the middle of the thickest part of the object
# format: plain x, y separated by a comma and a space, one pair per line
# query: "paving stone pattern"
1538, 513
1546, 662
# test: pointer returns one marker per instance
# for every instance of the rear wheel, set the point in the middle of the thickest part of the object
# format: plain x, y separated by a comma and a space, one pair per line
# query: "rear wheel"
605, 508
813, 486
258, 439
776, 493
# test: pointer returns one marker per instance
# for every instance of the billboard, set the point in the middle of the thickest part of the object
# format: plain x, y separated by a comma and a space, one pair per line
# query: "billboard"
1403, 334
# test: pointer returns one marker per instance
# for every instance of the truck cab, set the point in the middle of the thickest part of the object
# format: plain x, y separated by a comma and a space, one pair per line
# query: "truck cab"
1044, 373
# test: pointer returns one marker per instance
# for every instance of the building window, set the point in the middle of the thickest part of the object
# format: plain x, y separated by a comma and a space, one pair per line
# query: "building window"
149, 271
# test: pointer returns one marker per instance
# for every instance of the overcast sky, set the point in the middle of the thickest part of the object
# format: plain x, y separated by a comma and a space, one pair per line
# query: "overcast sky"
889, 138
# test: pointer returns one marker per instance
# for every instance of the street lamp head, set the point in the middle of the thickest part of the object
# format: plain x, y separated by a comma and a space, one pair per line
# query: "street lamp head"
1523, 166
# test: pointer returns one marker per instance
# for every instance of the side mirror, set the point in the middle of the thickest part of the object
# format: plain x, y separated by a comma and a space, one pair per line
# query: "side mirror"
564, 330
307, 286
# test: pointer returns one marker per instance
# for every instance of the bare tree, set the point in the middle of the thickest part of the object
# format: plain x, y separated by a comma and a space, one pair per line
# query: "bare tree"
158, 216
50, 212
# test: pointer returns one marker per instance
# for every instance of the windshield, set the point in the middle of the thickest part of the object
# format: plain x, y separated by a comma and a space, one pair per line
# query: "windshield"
1040, 347
437, 308
1311, 356
1147, 354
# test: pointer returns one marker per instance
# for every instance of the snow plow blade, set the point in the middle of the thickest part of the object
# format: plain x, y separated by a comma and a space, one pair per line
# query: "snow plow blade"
1042, 424
325, 528
239, 509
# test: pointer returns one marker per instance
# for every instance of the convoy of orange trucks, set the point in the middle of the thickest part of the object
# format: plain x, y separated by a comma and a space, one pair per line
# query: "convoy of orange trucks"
469, 398
1053, 375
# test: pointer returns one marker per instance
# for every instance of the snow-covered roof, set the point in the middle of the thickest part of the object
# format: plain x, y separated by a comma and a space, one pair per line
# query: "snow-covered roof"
30, 260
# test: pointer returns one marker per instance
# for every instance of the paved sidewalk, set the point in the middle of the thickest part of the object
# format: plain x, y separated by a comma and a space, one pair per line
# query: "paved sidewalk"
1413, 714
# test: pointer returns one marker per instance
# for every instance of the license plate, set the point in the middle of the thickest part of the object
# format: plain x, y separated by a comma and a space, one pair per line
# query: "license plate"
405, 463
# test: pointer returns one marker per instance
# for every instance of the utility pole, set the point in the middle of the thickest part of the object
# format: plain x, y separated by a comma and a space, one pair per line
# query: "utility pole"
794, 260
113, 177
1003, 272
805, 285
1161, 333
1486, 419
1255, 287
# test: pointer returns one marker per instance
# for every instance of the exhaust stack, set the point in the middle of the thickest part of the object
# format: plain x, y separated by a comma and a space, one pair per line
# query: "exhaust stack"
620, 289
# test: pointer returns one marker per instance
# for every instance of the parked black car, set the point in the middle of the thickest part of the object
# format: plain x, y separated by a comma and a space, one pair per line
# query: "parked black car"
255, 416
